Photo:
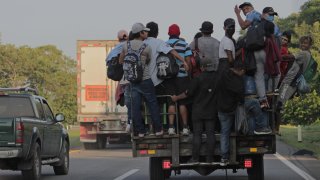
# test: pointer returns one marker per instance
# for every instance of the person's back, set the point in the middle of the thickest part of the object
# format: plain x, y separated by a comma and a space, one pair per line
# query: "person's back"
208, 46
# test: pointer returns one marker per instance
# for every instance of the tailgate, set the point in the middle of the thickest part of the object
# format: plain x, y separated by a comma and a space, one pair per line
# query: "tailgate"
7, 133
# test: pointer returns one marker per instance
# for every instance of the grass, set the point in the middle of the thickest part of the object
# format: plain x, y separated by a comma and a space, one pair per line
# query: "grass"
74, 135
310, 137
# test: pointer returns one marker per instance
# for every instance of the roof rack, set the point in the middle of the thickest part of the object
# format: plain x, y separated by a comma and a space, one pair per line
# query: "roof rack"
25, 89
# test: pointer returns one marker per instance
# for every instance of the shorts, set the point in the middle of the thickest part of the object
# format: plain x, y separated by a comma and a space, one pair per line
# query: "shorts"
181, 84
166, 88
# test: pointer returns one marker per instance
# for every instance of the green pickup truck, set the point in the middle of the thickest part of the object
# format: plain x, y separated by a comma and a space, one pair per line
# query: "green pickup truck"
30, 135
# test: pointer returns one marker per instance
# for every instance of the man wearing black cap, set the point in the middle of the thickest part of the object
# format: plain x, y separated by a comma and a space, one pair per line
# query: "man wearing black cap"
203, 90
252, 16
207, 45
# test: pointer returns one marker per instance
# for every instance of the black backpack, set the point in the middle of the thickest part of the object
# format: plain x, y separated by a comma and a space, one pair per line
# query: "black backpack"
255, 38
114, 69
166, 65
132, 65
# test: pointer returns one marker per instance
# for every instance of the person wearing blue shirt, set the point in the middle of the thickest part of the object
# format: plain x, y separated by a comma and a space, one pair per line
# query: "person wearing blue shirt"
179, 84
122, 37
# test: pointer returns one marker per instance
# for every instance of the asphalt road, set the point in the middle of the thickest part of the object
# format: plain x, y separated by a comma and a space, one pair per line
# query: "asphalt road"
116, 163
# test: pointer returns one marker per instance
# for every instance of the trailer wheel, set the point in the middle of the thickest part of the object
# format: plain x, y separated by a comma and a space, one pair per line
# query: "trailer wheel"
101, 141
257, 170
62, 168
90, 146
35, 172
155, 169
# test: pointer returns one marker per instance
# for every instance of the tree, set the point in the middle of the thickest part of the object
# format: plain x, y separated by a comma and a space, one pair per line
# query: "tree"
45, 68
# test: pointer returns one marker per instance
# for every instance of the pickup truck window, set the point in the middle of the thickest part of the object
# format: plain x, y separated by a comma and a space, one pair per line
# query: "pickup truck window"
47, 110
40, 109
16, 107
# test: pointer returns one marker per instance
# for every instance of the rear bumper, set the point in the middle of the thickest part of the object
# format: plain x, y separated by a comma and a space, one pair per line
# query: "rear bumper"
6, 153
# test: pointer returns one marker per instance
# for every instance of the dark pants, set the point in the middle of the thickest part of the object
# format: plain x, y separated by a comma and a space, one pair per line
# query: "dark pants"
209, 125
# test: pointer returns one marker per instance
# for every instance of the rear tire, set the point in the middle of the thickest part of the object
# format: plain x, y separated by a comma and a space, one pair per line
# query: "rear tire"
90, 146
35, 172
155, 169
257, 170
63, 166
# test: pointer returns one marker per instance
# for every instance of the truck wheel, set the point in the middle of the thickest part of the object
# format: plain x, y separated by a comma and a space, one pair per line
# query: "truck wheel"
155, 169
90, 146
35, 172
62, 168
257, 170
101, 142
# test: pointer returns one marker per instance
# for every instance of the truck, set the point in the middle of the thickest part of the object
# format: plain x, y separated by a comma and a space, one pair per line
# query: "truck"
170, 153
30, 134
101, 120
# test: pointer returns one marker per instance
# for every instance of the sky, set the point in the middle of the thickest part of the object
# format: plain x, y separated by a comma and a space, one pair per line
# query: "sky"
63, 22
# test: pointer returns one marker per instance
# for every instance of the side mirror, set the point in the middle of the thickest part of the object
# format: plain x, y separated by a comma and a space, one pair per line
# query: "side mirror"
59, 117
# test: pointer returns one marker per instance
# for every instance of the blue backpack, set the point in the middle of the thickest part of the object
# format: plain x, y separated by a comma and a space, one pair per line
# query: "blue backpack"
132, 65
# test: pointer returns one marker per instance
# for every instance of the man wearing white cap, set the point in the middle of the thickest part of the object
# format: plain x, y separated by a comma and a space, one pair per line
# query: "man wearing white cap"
145, 87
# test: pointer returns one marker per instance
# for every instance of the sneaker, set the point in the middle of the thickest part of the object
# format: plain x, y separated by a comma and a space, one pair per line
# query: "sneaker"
141, 135
159, 133
261, 131
224, 162
128, 128
193, 162
171, 131
185, 131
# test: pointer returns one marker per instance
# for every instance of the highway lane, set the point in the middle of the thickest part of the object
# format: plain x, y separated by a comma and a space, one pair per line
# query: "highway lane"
116, 163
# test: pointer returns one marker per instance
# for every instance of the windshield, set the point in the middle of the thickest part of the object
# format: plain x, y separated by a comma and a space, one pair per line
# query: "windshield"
15, 107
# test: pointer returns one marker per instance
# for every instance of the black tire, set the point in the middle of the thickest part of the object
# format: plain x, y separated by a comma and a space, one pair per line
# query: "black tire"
62, 168
257, 170
155, 169
35, 172
90, 146
101, 141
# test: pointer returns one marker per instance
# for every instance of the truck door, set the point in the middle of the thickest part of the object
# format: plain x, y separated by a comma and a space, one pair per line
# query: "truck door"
52, 132
41, 117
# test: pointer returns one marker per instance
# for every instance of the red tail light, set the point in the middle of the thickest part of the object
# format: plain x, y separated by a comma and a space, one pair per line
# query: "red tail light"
248, 163
19, 132
166, 164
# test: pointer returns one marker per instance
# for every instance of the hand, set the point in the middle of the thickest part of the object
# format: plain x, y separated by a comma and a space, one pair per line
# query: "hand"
237, 10
186, 67
174, 98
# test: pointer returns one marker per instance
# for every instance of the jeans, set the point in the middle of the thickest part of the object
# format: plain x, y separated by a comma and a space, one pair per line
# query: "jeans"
226, 122
209, 125
146, 89
256, 117
260, 57
127, 100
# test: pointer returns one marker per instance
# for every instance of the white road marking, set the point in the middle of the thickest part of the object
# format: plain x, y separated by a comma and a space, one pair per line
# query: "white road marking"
303, 174
127, 174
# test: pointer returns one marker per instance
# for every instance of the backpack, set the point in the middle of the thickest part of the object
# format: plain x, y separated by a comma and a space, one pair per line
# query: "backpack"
132, 65
311, 70
166, 65
255, 37
114, 69
195, 60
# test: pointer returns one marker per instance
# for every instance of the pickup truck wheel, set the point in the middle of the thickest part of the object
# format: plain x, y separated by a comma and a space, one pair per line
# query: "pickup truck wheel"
63, 166
257, 170
35, 172
155, 169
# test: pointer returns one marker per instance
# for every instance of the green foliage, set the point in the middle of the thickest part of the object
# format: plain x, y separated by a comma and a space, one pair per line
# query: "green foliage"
303, 110
45, 68
310, 11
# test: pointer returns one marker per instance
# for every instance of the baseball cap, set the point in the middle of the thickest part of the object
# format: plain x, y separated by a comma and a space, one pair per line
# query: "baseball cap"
269, 10
174, 30
245, 4
206, 27
122, 34
229, 23
138, 27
